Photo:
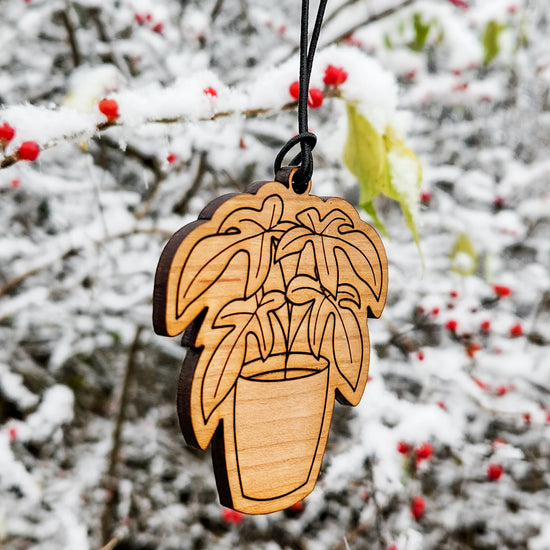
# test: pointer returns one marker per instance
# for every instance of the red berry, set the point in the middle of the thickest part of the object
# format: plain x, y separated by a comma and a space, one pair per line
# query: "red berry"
457, 72
242, 143
424, 452
418, 507
485, 326
425, 198
512, 9
498, 201
420, 355
460, 86
109, 107
499, 441
502, 291
527, 418
148, 17
451, 325
139, 19
12, 433
315, 98
294, 90
29, 150
460, 4
410, 75
441, 405
494, 472
158, 28
453, 294
548, 417
210, 91
334, 76
232, 516
171, 158
472, 349
480, 383
501, 390
516, 330
297, 506
15, 183
352, 41
6, 134
435, 311
282, 29
392, 547
403, 447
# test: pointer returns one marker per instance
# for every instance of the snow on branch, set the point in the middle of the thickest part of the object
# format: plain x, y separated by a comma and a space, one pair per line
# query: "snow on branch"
201, 97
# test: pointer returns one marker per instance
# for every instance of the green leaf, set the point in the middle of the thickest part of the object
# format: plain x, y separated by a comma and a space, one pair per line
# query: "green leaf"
490, 41
366, 155
421, 31
369, 208
463, 256
407, 198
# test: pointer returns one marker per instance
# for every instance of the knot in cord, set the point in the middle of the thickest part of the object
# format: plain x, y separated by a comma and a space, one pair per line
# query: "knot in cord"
304, 159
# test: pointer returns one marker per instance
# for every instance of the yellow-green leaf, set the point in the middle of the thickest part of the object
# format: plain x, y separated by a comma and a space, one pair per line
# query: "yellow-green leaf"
421, 31
463, 256
366, 156
490, 41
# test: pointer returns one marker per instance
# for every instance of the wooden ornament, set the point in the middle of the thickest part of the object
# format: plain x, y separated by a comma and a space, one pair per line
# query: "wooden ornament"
273, 290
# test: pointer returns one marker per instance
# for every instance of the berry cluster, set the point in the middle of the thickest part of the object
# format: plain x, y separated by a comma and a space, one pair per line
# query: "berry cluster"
28, 150
334, 77
147, 19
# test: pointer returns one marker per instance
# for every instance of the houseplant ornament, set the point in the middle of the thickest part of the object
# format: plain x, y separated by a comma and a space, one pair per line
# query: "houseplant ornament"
272, 289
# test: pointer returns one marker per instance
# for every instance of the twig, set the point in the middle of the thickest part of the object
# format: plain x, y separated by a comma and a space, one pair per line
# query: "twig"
216, 10
378, 522
112, 543
111, 57
352, 536
149, 161
181, 206
337, 11
12, 283
75, 51
76, 136
371, 19
102, 126
110, 477
350, 31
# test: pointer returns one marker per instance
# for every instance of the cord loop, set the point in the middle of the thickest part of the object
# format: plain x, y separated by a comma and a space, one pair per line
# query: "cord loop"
306, 139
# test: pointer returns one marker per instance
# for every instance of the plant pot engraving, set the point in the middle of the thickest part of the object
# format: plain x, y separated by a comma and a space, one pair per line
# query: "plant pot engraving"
273, 291
295, 437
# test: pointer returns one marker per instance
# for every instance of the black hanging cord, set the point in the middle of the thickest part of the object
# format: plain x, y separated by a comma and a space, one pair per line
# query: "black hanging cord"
306, 139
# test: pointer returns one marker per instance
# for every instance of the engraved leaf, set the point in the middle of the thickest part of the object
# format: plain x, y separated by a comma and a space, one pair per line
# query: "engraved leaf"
334, 237
243, 318
243, 232
335, 324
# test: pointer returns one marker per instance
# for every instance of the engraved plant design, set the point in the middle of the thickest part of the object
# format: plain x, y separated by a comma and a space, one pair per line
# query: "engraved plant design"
273, 291
272, 278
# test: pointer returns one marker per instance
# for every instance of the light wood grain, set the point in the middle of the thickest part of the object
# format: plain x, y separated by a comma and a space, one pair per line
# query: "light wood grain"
273, 290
